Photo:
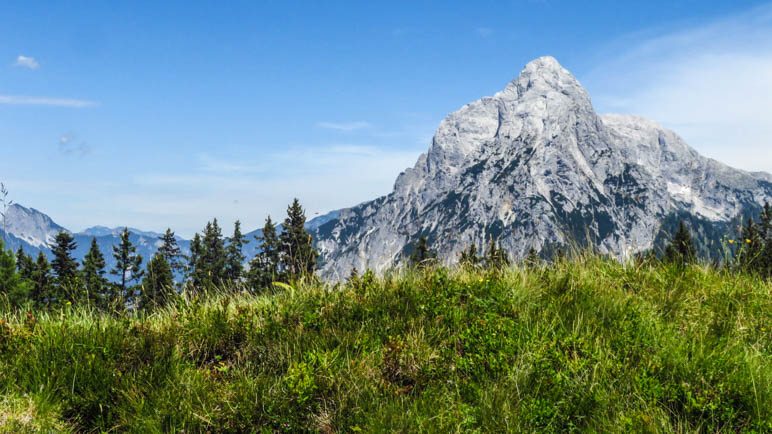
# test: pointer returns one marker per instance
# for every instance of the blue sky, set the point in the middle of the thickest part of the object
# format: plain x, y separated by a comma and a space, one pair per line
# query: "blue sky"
164, 114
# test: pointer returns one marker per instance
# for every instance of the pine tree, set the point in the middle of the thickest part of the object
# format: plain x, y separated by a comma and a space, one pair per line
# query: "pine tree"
264, 267
296, 245
65, 269
211, 261
422, 256
42, 282
12, 286
93, 274
469, 257
158, 284
496, 257
234, 258
681, 249
171, 251
24, 264
127, 267
195, 273
766, 237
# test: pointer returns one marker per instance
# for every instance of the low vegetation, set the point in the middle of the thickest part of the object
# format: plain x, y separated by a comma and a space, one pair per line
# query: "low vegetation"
581, 344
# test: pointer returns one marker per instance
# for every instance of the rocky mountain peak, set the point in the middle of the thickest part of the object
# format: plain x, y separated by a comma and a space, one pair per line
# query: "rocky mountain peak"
535, 167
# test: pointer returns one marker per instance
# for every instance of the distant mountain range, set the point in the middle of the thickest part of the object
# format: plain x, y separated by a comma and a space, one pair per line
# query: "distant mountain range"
34, 232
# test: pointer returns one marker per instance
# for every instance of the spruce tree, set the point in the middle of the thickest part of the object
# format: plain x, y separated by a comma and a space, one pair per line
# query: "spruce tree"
127, 267
93, 274
422, 255
766, 237
496, 257
264, 267
65, 268
469, 257
12, 286
158, 284
296, 245
171, 251
234, 256
42, 282
681, 249
195, 273
211, 261
24, 264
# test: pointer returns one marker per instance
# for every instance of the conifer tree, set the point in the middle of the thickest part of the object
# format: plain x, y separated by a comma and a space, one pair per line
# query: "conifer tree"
65, 268
211, 261
12, 286
681, 249
469, 257
264, 267
766, 237
127, 267
158, 284
234, 258
495, 256
42, 282
422, 255
296, 245
93, 274
171, 251
24, 264
195, 273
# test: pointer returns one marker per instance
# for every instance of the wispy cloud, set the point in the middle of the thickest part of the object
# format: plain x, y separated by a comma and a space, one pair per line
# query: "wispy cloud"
26, 62
70, 144
46, 101
235, 186
344, 126
711, 83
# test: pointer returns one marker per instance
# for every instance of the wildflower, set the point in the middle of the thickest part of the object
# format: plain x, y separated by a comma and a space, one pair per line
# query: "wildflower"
731, 241
747, 241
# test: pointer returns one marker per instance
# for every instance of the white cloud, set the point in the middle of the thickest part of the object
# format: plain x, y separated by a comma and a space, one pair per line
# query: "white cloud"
344, 126
46, 101
26, 62
712, 84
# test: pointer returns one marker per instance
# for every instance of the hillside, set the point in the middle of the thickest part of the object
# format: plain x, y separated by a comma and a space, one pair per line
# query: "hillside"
582, 345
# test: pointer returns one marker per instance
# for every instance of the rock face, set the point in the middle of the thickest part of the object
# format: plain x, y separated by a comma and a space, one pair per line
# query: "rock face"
535, 167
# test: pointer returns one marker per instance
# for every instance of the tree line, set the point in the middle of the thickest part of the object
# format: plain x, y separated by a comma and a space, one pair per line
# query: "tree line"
750, 252
215, 262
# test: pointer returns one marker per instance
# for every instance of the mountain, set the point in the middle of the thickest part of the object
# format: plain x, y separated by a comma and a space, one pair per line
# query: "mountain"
34, 232
534, 166
30, 228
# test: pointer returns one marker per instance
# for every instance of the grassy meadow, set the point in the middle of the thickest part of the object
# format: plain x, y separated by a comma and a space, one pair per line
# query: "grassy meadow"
582, 345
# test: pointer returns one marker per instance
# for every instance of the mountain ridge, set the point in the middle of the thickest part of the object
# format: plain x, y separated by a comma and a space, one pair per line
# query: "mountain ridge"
534, 166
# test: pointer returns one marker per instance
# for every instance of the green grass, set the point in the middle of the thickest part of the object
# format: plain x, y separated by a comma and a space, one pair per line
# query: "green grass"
584, 345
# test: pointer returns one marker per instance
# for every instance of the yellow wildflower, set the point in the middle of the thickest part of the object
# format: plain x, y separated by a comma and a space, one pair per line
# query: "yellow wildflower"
731, 241
747, 241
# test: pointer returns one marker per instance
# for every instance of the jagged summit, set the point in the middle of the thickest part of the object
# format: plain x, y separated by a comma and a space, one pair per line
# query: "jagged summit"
535, 166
